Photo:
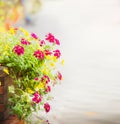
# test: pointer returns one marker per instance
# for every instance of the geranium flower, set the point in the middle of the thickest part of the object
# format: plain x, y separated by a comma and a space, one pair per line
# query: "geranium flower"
25, 42
37, 98
42, 42
48, 89
47, 52
57, 41
19, 50
36, 94
47, 107
39, 54
46, 79
34, 35
59, 76
57, 53
36, 78
50, 37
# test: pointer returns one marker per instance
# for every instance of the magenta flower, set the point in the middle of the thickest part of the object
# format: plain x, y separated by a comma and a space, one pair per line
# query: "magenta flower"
36, 78
39, 54
48, 89
59, 76
19, 50
57, 53
34, 35
46, 79
47, 107
37, 98
50, 37
25, 42
42, 42
57, 41
36, 94
47, 52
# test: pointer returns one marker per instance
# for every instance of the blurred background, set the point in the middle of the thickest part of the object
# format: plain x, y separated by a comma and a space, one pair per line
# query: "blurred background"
89, 31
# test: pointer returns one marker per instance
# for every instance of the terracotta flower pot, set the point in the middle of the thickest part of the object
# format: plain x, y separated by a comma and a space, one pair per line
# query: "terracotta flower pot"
21, 122
14, 120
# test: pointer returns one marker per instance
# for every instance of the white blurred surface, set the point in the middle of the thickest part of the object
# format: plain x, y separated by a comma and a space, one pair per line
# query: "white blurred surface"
89, 31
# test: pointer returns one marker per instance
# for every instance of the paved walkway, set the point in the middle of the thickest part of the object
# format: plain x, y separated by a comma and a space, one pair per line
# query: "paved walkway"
90, 34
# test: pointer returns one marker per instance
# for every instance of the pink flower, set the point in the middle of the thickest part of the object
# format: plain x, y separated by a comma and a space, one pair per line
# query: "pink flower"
19, 50
57, 41
39, 55
57, 53
46, 79
36, 94
42, 42
34, 35
37, 98
25, 42
47, 52
36, 78
59, 76
47, 107
50, 37
48, 89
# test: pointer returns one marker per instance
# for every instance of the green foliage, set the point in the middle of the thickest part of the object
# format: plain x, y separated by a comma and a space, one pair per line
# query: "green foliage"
24, 67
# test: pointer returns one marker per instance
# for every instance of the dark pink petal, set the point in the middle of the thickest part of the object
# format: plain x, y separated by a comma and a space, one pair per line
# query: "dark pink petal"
39, 54
59, 76
47, 52
45, 78
42, 42
48, 89
50, 38
36, 78
57, 41
47, 107
19, 50
25, 42
57, 53
34, 35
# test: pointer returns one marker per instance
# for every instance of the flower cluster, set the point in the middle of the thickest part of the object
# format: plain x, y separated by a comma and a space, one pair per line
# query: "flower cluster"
37, 98
52, 39
19, 50
39, 54
32, 66
25, 42
47, 107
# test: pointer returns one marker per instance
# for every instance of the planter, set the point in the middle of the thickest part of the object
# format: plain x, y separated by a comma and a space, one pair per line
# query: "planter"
32, 64
4, 81
13, 119
21, 122
4, 115
5, 118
